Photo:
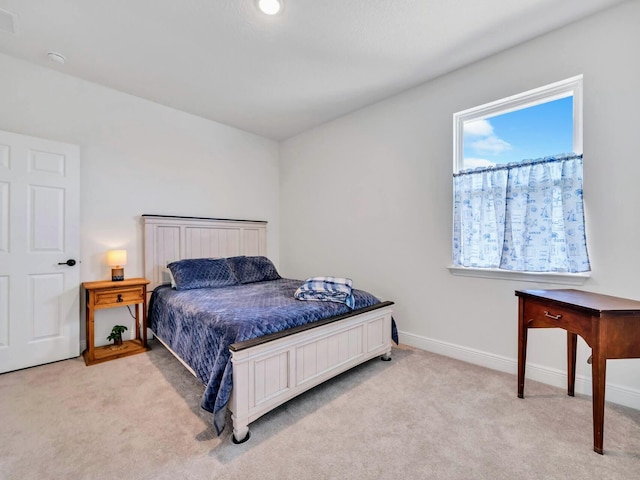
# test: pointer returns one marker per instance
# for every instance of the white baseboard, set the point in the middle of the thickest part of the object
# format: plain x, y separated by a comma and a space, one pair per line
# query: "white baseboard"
558, 378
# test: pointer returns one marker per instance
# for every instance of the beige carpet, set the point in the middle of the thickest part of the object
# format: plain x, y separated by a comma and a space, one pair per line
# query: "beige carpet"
421, 416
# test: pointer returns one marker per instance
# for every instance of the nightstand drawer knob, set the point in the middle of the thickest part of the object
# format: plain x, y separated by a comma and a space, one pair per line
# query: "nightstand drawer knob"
119, 299
555, 317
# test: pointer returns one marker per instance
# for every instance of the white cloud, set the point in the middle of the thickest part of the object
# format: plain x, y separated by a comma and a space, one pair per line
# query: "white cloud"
478, 128
477, 162
491, 144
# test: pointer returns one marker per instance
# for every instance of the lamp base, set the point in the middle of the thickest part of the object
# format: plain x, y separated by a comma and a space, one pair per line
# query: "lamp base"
117, 274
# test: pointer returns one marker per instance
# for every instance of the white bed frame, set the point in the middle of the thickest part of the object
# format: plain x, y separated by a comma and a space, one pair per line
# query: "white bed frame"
270, 370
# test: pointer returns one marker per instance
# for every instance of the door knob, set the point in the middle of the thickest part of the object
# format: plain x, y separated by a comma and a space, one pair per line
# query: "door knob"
71, 262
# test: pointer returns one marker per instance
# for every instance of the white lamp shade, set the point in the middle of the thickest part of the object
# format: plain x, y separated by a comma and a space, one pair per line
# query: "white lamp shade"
116, 258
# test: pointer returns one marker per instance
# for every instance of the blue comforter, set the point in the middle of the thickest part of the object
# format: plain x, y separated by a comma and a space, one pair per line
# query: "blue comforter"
201, 324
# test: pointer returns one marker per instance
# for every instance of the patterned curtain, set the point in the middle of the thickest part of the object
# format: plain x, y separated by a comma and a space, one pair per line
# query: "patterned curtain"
525, 216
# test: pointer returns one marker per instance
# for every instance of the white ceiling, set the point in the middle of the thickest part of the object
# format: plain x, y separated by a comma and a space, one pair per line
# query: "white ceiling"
281, 75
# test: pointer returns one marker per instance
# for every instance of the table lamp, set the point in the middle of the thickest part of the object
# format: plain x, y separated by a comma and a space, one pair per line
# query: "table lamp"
117, 259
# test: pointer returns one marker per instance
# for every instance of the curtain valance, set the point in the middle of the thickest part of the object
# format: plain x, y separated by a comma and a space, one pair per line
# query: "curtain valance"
526, 216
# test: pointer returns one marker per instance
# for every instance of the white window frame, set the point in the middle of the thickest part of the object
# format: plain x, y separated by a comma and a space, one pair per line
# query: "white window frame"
555, 91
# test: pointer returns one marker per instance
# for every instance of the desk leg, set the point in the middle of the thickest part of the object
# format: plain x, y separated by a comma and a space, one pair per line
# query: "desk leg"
144, 324
598, 374
522, 348
138, 336
89, 353
572, 342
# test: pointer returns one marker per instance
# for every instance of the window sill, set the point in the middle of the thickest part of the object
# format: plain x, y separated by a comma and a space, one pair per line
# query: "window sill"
559, 278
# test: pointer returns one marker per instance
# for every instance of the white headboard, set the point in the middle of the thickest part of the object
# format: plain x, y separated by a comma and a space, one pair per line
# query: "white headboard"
169, 238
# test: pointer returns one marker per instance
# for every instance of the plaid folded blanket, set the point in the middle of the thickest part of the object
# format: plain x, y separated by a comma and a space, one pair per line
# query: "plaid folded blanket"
327, 289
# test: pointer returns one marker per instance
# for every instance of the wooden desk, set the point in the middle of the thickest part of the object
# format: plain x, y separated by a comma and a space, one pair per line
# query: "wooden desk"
609, 325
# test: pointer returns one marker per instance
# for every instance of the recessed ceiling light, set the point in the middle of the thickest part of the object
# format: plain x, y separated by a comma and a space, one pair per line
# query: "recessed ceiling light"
270, 7
57, 57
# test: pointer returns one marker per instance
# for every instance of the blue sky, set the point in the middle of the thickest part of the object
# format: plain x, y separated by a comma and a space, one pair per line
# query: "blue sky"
532, 132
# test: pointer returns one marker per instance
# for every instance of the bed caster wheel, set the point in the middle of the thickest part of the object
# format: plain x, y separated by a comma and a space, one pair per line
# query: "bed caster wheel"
238, 442
386, 357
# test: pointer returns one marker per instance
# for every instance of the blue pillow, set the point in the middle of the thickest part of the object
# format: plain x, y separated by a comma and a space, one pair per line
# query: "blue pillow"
202, 273
253, 269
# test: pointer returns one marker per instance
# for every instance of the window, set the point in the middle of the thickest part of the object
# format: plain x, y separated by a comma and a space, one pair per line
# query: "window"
518, 183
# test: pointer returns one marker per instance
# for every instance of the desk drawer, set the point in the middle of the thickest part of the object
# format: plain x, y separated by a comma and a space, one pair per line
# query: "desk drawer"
538, 313
119, 296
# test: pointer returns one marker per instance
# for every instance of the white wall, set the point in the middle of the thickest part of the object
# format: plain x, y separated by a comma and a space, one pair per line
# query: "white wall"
139, 157
370, 196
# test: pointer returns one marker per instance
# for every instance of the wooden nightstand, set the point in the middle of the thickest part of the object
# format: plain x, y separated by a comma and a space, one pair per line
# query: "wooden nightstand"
108, 294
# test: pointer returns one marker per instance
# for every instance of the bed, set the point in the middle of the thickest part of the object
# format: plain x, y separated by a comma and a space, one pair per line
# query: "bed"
272, 354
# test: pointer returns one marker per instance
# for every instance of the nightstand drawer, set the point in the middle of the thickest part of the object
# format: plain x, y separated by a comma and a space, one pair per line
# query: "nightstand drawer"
553, 315
119, 296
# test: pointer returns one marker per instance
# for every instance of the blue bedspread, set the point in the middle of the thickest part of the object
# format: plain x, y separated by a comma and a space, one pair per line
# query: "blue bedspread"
201, 324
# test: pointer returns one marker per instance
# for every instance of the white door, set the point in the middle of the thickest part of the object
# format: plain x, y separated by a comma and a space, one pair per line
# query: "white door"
39, 217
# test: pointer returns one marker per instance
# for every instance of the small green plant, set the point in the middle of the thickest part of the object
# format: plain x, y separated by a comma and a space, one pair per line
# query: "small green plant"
116, 334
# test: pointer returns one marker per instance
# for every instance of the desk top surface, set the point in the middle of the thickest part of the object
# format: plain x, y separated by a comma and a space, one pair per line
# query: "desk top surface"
595, 302
128, 282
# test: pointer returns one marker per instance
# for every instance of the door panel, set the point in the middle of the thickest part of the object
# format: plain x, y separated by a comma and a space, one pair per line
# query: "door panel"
46, 219
45, 316
4, 312
47, 162
4, 217
4, 156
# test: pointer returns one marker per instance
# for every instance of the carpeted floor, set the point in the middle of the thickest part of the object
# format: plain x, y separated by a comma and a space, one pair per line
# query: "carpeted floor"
420, 416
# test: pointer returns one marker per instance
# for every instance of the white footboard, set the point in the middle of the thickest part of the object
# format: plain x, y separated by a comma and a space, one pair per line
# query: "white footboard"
269, 374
